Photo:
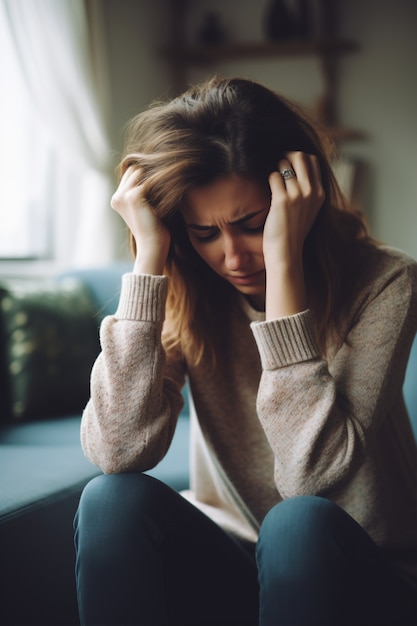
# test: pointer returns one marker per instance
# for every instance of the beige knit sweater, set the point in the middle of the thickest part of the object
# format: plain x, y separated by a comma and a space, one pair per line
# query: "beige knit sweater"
275, 420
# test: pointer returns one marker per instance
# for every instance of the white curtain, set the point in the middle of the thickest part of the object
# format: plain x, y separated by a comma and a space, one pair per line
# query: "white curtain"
61, 62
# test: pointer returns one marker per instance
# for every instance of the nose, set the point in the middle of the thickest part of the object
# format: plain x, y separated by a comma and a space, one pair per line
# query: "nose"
236, 254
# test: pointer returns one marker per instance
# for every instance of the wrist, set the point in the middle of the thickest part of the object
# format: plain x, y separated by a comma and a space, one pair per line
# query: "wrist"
285, 289
149, 264
284, 262
284, 252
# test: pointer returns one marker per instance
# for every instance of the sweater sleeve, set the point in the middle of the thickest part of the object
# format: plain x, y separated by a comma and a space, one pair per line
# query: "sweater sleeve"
320, 419
130, 418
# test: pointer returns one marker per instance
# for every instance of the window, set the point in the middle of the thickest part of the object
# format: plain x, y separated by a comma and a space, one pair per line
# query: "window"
55, 160
26, 166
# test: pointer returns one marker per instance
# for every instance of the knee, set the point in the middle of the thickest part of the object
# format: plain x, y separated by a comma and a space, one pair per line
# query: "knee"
302, 518
117, 503
107, 492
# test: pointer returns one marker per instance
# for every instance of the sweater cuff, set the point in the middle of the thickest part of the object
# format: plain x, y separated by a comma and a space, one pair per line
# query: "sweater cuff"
142, 298
285, 341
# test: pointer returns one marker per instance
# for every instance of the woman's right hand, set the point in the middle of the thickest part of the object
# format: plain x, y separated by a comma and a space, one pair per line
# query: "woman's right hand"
151, 236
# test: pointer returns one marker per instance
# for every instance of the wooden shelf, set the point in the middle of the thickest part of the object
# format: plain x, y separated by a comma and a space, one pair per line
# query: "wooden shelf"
205, 55
338, 133
325, 49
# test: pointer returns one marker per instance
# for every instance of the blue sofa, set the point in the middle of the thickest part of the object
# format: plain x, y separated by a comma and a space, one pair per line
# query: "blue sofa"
49, 340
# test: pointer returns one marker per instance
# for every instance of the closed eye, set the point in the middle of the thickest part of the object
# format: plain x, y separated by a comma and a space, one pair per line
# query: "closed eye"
206, 238
254, 230
249, 224
245, 229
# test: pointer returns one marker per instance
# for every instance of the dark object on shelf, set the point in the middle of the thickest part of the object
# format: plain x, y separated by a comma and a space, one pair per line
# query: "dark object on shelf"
279, 23
304, 19
211, 31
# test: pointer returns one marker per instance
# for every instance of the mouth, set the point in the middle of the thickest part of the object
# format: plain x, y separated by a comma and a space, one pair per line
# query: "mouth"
246, 279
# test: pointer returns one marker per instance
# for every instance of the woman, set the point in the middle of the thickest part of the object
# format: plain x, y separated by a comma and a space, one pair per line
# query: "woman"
254, 280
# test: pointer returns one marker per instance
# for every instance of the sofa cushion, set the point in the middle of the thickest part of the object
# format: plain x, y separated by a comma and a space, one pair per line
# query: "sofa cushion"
40, 487
62, 438
64, 431
51, 341
30, 476
410, 387
103, 283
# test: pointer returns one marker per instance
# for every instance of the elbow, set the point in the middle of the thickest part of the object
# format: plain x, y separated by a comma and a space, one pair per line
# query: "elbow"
319, 480
113, 462
108, 451
292, 487
114, 466
118, 450
323, 467
113, 458
109, 462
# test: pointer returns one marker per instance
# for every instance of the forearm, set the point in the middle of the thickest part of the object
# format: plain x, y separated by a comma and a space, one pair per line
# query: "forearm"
315, 439
131, 414
285, 288
295, 203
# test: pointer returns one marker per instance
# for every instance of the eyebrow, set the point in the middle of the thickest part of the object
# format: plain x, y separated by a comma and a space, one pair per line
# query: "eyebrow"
237, 222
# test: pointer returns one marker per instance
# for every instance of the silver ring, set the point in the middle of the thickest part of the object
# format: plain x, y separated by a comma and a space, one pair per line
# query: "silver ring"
287, 173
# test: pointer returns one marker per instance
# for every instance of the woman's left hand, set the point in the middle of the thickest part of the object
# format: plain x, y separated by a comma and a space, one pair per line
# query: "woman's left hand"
295, 203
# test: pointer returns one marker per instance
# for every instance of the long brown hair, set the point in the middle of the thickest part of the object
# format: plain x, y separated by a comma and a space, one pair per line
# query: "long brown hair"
236, 126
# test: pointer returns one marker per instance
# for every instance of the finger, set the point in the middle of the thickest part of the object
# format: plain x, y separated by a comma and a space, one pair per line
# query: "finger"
127, 179
287, 172
305, 164
133, 175
312, 182
277, 184
307, 167
128, 189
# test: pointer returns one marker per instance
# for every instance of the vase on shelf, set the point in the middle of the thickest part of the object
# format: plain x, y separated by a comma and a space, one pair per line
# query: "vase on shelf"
304, 19
211, 31
279, 23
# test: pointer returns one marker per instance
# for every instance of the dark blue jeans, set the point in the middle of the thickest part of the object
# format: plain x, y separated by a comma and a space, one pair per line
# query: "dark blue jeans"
146, 557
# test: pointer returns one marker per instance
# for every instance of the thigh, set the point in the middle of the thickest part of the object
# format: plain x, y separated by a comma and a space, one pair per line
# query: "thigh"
165, 560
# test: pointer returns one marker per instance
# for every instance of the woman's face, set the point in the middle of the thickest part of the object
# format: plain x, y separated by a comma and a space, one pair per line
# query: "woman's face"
225, 220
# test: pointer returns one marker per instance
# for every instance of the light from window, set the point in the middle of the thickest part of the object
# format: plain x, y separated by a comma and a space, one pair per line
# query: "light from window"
26, 166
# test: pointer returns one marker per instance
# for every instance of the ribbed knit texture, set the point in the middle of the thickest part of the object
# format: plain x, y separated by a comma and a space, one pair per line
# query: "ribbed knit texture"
142, 299
285, 341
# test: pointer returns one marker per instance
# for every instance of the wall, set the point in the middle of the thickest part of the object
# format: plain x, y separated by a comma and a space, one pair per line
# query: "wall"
378, 93
298, 78
377, 87
135, 31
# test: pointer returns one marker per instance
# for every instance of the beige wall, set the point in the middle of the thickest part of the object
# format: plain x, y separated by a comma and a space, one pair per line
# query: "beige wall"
377, 87
136, 30
378, 92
